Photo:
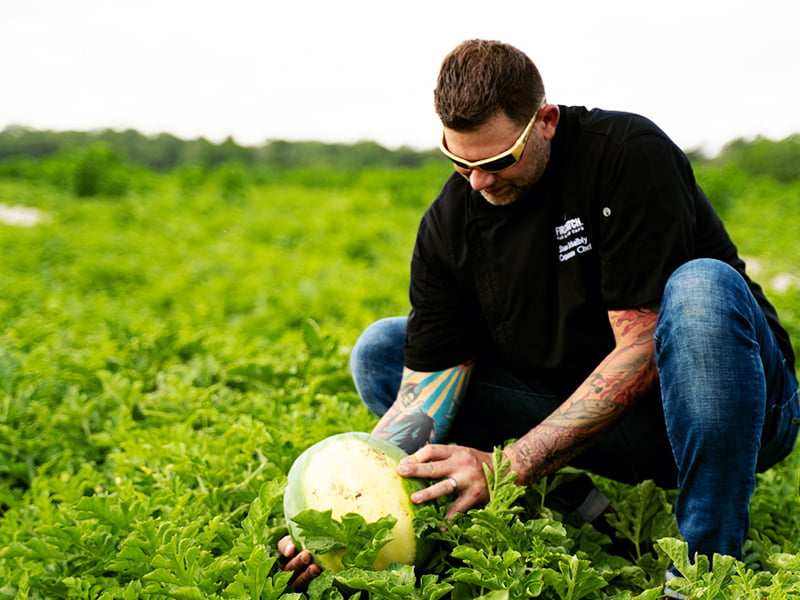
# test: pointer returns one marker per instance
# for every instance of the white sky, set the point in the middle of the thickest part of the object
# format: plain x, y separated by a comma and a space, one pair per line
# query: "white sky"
707, 71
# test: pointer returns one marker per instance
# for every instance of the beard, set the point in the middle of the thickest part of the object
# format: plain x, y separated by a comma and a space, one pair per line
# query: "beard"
533, 162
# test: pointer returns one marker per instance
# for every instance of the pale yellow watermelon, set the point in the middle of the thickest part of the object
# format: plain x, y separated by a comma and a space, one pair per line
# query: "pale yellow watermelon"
355, 473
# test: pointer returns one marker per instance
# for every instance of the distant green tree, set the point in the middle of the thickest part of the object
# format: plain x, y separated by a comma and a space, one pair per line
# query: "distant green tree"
97, 170
19, 141
232, 180
722, 184
761, 156
190, 178
166, 152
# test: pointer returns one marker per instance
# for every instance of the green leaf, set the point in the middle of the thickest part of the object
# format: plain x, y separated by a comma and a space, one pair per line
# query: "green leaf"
254, 581
495, 595
503, 491
640, 515
361, 540
324, 587
699, 575
395, 583
575, 578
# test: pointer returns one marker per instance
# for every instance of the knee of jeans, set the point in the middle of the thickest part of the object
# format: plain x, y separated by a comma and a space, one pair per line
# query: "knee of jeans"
699, 288
379, 339
376, 363
699, 276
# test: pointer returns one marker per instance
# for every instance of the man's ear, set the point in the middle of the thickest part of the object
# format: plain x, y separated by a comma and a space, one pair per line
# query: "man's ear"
549, 115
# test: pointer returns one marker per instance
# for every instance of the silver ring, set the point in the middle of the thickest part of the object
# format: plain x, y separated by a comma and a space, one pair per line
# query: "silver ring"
454, 483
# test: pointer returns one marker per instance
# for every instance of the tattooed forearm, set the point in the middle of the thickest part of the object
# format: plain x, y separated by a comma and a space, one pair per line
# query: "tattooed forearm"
425, 407
592, 411
623, 377
410, 430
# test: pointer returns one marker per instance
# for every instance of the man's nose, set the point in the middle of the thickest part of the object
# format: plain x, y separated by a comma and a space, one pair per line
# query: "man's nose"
480, 180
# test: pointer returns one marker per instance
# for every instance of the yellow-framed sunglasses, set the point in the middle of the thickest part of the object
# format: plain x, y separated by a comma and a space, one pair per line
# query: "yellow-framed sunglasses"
499, 162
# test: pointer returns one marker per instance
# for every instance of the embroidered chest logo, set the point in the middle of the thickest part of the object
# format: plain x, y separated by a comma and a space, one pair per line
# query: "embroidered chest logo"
571, 239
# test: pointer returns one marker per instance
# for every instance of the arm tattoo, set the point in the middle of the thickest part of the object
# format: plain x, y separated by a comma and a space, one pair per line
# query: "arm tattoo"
425, 407
620, 380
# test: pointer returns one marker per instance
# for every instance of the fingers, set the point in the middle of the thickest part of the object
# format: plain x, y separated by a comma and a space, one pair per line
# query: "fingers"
433, 452
439, 461
300, 564
459, 469
437, 490
286, 546
429, 462
304, 571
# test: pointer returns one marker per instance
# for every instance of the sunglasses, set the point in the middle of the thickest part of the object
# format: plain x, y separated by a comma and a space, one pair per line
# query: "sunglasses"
499, 162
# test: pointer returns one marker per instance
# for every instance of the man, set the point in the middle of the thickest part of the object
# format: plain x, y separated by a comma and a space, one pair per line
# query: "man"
572, 289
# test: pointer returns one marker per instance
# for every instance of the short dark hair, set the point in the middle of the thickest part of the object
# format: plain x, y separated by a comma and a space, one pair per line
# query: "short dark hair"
480, 78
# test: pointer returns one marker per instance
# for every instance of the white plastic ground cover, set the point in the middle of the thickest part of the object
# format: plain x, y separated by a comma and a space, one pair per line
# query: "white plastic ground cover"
20, 216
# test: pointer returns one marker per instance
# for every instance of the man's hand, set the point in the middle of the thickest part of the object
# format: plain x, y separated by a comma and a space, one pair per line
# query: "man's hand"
299, 563
449, 463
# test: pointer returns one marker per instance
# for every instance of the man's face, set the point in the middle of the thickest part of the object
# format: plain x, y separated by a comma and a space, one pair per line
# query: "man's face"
497, 135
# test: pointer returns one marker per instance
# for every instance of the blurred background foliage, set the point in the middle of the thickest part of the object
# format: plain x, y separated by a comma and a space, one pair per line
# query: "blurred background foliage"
110, 162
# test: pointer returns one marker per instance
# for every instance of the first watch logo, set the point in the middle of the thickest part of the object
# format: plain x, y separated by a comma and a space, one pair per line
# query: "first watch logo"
571, 242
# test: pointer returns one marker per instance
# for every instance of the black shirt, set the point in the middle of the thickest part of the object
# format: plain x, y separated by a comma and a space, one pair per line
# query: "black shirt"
530, 284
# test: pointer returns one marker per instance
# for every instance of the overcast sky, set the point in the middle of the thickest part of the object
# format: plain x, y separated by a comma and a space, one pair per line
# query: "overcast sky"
707, 71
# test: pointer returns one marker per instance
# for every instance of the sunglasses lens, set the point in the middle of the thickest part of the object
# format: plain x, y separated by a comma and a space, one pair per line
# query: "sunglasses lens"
495, 166
502, 163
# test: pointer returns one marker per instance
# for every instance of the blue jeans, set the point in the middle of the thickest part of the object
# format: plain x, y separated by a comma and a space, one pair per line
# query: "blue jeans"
727, 408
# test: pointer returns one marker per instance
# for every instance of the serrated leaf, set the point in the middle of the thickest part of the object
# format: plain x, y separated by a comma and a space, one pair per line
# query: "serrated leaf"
640, 515
361, 540
398, 582
500, 479
254, 580
323, 587
574, 579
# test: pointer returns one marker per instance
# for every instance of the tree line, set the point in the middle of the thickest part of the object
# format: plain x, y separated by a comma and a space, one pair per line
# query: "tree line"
111, 163
165, 152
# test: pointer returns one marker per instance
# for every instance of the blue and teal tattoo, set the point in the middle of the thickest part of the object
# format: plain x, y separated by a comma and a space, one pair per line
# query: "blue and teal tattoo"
425, 407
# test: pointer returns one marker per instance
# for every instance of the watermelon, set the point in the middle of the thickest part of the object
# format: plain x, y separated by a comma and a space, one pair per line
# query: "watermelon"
355, 473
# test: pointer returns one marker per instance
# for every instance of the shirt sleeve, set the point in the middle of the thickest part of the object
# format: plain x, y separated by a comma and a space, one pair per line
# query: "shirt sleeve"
647, 221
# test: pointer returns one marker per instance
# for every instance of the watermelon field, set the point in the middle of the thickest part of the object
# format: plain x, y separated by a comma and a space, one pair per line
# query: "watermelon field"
171, 342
